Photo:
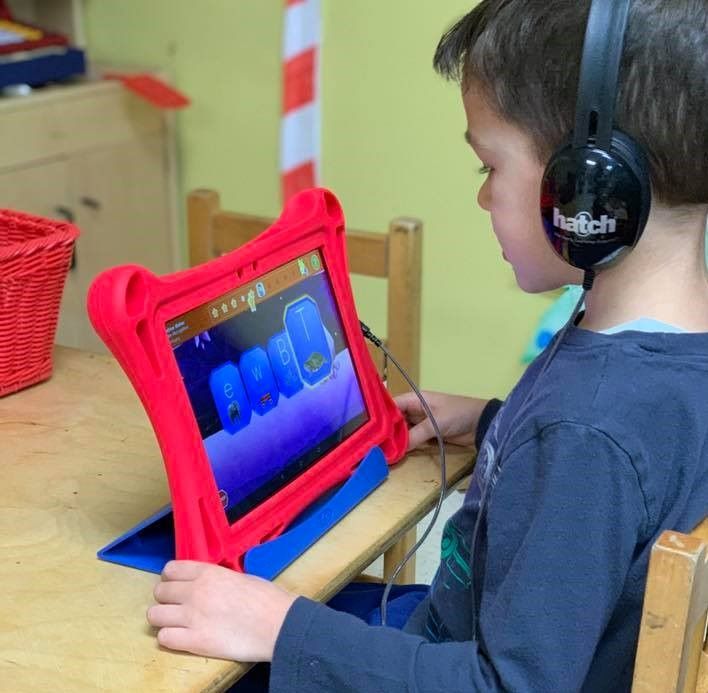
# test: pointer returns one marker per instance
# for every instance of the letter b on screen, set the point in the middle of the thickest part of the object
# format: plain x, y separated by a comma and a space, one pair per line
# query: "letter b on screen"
282, 360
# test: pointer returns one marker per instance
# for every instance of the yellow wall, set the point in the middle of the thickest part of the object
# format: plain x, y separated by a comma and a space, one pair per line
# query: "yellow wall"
392, 145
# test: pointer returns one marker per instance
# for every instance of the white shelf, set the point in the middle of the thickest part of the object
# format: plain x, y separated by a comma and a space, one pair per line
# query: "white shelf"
62, 16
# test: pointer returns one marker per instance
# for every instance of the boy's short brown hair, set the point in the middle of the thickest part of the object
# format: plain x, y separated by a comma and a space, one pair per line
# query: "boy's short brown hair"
525, 56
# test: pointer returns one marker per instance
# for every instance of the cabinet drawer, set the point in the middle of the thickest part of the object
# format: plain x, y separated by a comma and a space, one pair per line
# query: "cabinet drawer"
71, 119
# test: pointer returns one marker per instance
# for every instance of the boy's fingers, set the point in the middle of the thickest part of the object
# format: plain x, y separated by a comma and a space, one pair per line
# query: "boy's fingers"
411, 408
171, 592
182, 570
404, 401
177, 639
164, 615
420, 434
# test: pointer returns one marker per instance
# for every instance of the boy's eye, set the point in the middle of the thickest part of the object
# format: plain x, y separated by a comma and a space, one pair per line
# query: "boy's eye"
485, 170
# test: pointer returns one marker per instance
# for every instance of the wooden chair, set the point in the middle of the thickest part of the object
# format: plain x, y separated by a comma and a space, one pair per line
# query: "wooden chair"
395, 256
672, 654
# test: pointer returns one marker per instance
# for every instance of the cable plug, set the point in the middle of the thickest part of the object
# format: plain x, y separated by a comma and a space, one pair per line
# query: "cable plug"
366, 331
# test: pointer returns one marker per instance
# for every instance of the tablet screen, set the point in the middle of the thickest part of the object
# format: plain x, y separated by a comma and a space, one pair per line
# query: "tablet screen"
270, 379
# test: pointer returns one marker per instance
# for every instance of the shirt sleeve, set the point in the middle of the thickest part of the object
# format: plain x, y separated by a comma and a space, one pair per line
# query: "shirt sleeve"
488, 413
562, 522
320, 650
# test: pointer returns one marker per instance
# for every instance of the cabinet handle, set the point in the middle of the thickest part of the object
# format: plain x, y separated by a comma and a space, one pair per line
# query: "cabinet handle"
67, 215
90, 202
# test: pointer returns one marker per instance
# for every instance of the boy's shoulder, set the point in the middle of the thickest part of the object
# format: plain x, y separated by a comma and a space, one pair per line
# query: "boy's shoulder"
631, 385
642, 393
636, 388
598, 373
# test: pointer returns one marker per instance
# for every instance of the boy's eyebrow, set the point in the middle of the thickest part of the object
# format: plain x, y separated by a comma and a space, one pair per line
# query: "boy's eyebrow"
468, 137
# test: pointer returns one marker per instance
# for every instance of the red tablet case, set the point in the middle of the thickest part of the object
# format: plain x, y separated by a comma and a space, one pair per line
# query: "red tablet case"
129, 308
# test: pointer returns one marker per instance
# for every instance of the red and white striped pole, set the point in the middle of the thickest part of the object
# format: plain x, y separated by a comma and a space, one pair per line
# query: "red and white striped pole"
300, 127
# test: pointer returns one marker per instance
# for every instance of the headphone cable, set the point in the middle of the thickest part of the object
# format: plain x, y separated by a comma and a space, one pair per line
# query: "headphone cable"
588, 281
443, 474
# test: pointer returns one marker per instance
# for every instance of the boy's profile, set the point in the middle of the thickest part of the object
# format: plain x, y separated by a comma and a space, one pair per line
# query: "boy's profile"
594, 453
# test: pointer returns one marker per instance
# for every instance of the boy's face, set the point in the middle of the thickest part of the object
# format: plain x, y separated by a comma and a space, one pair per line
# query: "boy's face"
511, 194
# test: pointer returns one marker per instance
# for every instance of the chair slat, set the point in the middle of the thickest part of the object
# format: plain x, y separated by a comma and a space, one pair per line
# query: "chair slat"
231, 231
672, 633
367, 253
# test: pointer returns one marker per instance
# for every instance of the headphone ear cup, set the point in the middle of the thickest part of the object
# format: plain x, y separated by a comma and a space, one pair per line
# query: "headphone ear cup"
595, 203
630, 153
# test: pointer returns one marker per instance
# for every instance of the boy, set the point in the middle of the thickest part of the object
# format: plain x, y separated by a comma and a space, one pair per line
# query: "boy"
593, 454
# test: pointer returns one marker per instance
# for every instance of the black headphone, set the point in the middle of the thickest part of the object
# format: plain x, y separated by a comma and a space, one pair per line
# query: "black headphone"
596, 194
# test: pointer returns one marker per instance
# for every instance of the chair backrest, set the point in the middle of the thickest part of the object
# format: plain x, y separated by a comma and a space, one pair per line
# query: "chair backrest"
395, 256
671, 655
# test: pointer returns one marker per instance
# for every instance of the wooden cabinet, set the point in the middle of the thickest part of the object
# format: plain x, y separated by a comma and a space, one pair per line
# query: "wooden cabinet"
100, 156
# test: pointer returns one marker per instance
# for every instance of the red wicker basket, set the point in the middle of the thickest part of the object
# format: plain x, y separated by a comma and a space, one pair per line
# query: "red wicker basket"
35, 254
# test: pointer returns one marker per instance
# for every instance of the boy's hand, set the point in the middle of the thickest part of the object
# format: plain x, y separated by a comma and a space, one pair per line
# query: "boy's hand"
216, 612
457, 417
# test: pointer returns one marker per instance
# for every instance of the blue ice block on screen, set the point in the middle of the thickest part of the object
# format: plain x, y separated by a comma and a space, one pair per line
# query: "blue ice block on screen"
282, 360
230, 397
309, 339
259, 380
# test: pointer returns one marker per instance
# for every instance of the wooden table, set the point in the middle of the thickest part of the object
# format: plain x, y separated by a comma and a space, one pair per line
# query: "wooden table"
79, 465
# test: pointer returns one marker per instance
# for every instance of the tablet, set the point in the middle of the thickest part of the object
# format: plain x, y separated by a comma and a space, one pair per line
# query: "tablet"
255, 376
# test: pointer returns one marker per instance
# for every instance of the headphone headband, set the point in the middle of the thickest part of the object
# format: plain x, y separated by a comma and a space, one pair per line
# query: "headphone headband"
599, 72
596, 189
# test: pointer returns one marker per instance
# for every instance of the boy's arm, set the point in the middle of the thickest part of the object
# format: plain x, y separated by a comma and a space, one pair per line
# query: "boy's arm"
320, 650
461, 420
564, 521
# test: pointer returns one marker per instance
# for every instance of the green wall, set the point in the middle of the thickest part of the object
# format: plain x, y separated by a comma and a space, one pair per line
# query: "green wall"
392, 145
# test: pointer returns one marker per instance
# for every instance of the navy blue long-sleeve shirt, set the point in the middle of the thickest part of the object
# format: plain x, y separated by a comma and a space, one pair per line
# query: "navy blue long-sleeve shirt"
609, 449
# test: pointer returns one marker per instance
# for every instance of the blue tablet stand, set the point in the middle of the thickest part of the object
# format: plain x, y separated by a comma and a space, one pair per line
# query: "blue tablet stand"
151, 543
